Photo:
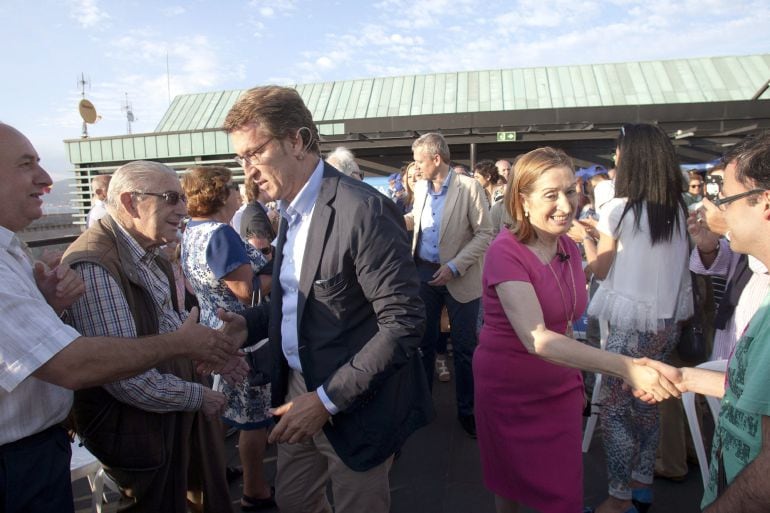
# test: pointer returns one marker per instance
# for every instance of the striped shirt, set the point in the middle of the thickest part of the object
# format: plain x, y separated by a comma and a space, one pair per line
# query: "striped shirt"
32, 334
103, 311
748, 303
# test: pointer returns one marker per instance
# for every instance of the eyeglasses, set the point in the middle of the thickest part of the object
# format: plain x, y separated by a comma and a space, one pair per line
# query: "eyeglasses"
170, 197
721, 202
253, 157
267, 250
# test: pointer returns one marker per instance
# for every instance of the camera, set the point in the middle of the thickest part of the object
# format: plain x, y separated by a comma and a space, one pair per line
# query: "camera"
713, 186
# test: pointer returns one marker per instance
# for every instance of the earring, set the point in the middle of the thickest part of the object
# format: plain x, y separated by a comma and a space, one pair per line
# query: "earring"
526, 213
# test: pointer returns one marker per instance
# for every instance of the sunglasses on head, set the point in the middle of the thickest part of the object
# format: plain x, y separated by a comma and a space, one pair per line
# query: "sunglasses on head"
170, 197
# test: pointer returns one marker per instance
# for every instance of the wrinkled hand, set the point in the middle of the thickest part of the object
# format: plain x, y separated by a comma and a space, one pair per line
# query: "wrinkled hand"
213, 402
301, 418
207, 345
442, 276
235, 370
60, 286
51, 257
234, 326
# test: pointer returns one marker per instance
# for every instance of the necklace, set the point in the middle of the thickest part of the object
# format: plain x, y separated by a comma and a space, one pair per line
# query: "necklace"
573, 293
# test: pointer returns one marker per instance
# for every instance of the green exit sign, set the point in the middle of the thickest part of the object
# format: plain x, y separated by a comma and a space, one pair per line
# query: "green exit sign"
506, 136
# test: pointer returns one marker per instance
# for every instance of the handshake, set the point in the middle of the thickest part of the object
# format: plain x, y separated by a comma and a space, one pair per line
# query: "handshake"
653, 381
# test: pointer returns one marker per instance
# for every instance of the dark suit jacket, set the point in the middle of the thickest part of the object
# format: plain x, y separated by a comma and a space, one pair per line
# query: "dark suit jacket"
255, 219
360, 321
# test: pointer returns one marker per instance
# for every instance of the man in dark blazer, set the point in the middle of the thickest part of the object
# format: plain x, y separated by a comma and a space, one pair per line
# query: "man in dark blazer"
345, 321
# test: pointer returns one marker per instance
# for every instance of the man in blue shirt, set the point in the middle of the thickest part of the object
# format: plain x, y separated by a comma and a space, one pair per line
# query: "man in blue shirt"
452, 230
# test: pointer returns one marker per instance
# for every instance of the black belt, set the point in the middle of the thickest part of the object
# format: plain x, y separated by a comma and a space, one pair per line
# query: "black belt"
32, 440
425, 263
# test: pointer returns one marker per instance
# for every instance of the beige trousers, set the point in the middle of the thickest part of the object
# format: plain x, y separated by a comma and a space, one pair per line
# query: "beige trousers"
305, 468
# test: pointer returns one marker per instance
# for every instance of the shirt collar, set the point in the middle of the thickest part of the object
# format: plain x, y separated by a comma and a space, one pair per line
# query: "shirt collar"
303, 203
445, 183
138, 254
7, 238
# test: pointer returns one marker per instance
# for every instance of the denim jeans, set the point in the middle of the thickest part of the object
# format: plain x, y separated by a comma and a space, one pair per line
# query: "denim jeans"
462, 320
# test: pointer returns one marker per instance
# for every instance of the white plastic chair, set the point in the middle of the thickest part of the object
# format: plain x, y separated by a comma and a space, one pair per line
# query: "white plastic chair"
604, 330
688, 400
84, 464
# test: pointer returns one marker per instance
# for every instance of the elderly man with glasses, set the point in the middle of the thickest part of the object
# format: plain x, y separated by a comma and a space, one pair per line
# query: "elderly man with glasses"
158, 433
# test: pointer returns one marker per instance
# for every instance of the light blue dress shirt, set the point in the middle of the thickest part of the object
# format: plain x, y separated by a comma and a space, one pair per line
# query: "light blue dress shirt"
430, 223
298, 215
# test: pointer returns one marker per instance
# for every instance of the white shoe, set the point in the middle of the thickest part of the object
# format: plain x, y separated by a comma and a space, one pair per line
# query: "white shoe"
442, 370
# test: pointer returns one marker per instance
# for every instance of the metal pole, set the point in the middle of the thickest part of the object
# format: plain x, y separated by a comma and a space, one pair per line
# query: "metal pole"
473, 156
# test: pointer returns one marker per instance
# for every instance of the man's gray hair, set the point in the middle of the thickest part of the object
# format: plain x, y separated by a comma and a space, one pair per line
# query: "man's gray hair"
343, 159
433, 144
137, 176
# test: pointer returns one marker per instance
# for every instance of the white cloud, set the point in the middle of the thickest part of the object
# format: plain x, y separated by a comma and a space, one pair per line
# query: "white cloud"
88, 13
173, 10
270, 8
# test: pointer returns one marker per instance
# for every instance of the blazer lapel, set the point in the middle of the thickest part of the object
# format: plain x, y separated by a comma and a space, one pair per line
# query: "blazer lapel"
452, 195
316, 239
420, 197
276, 294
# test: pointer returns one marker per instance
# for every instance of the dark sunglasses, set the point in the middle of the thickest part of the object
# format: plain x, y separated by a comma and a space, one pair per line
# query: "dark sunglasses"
170, 197
266, 250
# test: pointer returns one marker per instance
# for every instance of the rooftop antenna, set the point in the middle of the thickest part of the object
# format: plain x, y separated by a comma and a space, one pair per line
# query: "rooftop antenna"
128, 109
85, 107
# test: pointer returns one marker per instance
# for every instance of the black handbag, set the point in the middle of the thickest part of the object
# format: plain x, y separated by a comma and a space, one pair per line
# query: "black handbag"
258, 356
693, 346
260, 363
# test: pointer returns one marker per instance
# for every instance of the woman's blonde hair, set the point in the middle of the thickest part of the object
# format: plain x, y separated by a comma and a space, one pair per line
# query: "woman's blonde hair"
526, 171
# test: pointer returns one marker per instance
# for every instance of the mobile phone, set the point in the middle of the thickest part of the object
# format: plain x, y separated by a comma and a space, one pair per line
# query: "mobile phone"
713, 186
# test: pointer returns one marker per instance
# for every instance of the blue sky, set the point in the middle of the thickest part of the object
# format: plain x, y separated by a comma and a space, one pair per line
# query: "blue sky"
121, 46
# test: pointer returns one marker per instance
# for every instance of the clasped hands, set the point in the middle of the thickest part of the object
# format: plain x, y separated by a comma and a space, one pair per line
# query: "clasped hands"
653, 381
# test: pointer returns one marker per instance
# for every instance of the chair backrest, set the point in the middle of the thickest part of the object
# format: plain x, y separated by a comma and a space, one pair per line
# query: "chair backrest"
688, 400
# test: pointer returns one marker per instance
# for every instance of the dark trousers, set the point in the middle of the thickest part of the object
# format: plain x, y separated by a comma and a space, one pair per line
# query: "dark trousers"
462, 320
35, 474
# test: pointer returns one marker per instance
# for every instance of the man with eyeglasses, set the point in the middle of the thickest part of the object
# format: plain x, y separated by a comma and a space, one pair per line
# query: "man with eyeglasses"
345, 318
740, 458
158, 433
42, 359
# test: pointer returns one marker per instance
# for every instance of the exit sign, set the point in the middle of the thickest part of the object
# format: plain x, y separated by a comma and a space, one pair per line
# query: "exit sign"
506, 136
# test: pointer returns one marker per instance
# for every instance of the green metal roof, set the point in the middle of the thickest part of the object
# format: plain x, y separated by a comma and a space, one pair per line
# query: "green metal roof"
708, 79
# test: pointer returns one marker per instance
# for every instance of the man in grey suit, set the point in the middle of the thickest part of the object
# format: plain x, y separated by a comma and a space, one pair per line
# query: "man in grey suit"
452, 231
345, 320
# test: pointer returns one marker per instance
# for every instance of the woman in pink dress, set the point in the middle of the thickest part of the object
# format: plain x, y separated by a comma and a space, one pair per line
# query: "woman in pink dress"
528, 399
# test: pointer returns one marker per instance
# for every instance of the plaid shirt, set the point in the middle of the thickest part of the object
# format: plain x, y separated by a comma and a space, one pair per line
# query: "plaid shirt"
103, 311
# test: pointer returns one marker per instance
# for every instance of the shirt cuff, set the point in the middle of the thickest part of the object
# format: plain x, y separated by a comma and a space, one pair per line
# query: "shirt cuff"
328, 404
453, 268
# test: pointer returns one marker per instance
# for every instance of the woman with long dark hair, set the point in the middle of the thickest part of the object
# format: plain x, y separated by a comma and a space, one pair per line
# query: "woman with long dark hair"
642, 257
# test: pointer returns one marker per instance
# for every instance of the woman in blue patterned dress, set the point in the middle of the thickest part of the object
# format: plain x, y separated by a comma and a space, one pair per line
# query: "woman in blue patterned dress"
222, 270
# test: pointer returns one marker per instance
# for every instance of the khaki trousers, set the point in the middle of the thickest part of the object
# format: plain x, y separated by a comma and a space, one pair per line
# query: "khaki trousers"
305, 468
